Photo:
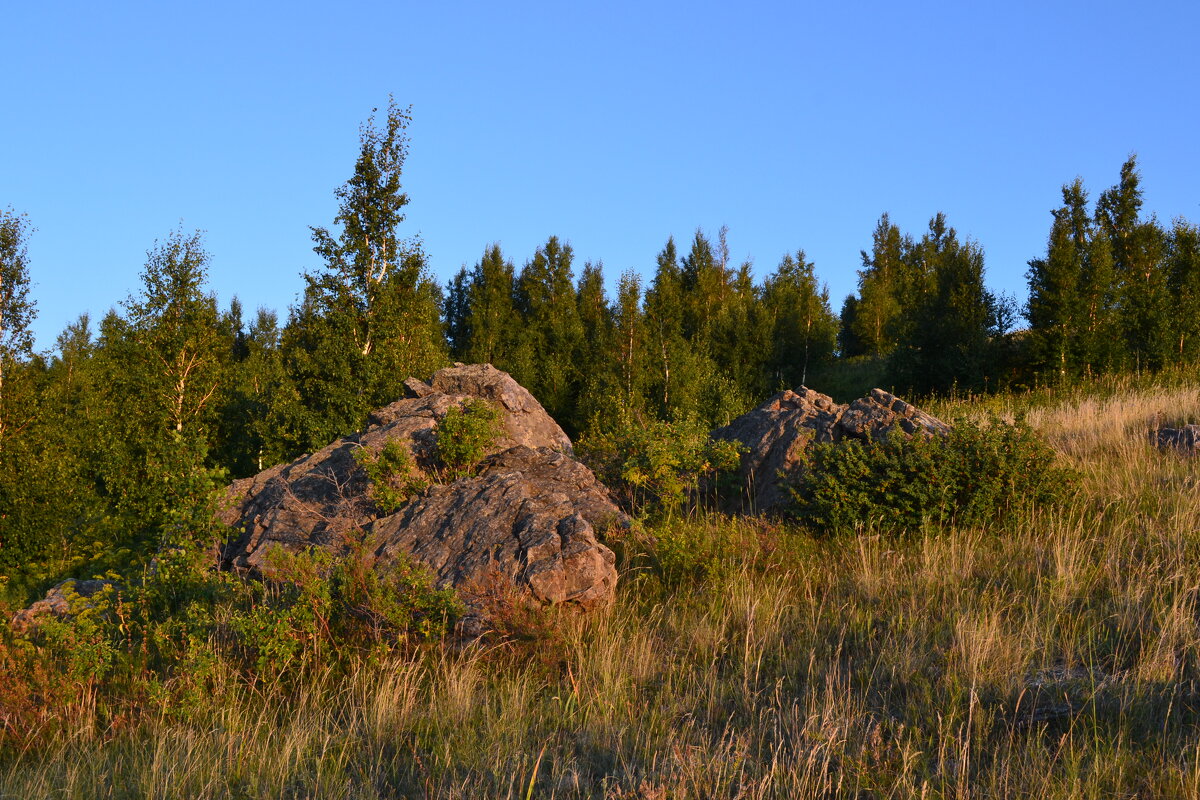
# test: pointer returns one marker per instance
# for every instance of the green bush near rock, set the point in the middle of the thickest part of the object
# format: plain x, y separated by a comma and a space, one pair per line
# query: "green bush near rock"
465, 435
393, 476
971, 477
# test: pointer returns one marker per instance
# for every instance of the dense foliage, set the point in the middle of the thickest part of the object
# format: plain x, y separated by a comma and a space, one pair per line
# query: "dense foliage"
975, 475
654, 467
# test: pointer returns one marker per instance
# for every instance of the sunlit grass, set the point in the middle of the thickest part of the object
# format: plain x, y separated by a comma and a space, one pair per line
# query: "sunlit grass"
1050, 655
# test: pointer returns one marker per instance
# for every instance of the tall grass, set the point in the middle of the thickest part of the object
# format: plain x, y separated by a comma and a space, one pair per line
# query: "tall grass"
1047, 656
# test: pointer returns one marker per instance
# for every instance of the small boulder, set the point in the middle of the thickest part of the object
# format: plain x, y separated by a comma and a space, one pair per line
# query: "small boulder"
876, 415
62, 602
776, 435
1185, 440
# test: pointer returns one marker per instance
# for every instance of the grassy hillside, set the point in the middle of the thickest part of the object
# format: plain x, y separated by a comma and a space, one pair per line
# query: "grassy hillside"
1052, 655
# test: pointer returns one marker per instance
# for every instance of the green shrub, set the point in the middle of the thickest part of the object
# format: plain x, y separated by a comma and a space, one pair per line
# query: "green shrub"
653, 466
972, 476
392, 475
82, 643
393, 602
683, 554
465, 435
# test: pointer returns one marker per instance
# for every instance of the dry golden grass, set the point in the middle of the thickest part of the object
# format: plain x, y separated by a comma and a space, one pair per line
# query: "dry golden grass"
1052, 655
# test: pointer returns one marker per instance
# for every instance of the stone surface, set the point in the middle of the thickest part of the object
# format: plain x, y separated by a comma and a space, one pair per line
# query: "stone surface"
528, 518
60, 602
877, 414
1185, 439
778, 432
775, 436
322, 498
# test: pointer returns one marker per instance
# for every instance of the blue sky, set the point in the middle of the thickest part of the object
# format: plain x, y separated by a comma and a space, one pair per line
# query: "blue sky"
611, 125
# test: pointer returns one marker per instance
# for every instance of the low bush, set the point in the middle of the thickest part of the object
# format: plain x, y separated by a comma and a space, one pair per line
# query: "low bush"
972, 476
653, 466
392, 475
465, 435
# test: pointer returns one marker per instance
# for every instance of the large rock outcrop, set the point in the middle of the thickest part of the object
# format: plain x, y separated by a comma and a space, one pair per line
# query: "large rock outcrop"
778, 432
528, 518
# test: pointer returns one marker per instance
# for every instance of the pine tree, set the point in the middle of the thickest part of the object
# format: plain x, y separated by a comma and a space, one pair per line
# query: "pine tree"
880, 289
1183, 270
849, 345
247, 440
551, 331
946, 332
664, 321
1138, 255
1054, 307
706, 286
630, 330
803, 329
490, 327
595, 353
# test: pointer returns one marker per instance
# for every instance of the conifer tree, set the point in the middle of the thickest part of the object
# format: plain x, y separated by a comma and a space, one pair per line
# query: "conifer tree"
629, 325
881, 290
1183, 271
849, 345
803, 329
946, 332
551, 332
664, 321
1054, 307
705, 284
490, 328
1138, 256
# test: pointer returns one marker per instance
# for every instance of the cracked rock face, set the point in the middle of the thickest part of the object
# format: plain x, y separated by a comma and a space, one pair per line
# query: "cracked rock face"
778, 432
530, 518
527, 522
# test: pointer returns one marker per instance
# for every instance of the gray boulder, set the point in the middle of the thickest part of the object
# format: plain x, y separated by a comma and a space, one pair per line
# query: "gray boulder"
530, 520
62, 602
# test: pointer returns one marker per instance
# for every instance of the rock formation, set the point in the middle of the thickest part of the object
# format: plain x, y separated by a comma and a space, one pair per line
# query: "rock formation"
1184, 440
62, 602
529, 518
777, 433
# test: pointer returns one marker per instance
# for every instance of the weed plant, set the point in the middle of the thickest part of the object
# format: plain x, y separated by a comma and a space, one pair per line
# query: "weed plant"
392, 476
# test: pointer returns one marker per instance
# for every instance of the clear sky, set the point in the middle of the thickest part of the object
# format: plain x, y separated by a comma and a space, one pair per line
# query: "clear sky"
612, 125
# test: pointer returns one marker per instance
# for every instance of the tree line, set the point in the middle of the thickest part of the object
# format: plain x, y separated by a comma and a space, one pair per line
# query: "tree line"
107, 442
